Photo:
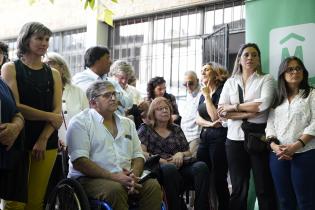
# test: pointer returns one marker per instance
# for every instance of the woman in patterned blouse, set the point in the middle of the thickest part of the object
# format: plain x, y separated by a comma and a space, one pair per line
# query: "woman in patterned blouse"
161, 136
291, 131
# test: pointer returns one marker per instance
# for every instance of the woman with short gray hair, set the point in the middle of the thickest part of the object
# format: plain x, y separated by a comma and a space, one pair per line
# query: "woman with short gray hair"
122, 71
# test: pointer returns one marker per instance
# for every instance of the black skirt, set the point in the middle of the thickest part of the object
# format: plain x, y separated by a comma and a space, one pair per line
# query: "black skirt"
13, 183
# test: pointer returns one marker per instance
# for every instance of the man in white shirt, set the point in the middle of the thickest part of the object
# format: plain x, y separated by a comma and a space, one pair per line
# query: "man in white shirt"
97, 62
105, 153
188, 122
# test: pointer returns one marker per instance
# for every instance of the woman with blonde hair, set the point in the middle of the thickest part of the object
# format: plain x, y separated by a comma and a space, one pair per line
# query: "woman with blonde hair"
160, 136
211, 149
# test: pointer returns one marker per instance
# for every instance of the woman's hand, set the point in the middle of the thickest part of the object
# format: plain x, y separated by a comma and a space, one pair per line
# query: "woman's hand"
39, 149
56, 120
8, 134
178, 159
288, 150
225, 108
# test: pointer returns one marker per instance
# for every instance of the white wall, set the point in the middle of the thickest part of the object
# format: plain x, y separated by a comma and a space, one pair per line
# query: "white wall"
63, 14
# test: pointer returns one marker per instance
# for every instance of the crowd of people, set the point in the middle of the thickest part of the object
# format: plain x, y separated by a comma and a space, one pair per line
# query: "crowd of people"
232, 124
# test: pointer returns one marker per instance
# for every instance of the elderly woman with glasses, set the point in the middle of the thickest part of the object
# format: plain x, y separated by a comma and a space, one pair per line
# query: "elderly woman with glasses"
74, 99
213, 136
160, 136
291, 131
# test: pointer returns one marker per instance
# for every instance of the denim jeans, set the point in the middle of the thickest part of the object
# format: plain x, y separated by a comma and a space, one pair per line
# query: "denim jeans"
295, 180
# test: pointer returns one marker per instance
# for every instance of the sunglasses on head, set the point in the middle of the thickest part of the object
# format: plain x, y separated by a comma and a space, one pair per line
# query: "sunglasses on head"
188, 83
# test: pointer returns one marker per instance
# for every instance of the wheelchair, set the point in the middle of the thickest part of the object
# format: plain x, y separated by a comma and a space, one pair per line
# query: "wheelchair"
69, 194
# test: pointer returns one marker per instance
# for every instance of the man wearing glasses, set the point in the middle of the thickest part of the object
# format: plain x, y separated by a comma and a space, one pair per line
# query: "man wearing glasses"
188, 123
106, 155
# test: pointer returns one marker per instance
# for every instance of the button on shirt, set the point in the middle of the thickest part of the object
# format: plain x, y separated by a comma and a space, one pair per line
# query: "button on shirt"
188, 122
259, 88
289, 121
73, 101
85, 78
88, 137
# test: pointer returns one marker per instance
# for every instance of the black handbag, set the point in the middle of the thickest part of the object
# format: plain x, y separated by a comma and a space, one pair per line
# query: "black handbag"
255, 138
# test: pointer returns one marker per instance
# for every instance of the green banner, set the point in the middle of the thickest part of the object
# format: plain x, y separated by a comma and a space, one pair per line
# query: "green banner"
282, 28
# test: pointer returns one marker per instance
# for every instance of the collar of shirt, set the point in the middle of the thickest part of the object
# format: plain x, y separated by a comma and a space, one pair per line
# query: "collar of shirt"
99, 118
95, 76
251, 78
195, 92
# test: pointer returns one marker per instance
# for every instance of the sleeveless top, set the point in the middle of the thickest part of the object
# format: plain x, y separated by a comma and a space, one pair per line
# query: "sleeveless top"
202, 110
36, 89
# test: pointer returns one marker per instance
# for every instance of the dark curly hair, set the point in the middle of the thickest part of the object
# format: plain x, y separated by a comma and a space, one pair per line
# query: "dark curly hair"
155, 81
5, 50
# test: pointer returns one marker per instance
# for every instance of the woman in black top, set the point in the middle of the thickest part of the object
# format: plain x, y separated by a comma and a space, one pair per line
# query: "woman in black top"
37, 91
211, 149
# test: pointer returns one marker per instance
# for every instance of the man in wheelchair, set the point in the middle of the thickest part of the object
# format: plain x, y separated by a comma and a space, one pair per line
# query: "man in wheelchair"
105, 153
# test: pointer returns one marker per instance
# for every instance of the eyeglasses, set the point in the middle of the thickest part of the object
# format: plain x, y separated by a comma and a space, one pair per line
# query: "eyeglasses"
108, 95
188, 83
291, 69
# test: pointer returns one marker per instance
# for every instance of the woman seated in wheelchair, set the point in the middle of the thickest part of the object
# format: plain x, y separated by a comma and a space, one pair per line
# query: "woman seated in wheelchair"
161, 136
105, 153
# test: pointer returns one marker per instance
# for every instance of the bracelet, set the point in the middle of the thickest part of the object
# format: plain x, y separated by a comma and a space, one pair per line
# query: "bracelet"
301, 141
235, 107
273, 139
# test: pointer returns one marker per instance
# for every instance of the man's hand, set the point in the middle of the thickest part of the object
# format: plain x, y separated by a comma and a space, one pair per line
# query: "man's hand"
128, 180
8, 134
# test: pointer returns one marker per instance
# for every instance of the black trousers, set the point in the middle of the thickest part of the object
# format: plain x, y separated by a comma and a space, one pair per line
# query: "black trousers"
175, 181
240, 162
211, 150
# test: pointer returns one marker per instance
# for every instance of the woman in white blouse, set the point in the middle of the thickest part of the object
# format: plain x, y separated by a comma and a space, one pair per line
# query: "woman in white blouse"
291, 131
74, 99
258, 91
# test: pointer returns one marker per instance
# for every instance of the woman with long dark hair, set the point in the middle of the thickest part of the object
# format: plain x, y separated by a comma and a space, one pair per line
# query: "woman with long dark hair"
247, 96
291, 131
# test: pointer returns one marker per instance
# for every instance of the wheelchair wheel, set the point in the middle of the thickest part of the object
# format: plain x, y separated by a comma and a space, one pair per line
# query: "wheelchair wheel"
68, 195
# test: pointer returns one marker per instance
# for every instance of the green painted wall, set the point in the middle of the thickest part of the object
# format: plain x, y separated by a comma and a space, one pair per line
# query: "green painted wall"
282, 27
